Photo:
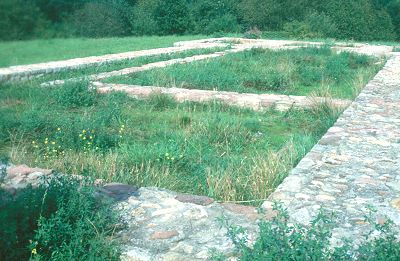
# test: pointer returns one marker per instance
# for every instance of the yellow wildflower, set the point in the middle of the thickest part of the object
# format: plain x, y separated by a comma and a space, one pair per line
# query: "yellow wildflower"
34, 252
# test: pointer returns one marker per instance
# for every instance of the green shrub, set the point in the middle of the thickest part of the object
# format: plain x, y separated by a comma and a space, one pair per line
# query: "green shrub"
59, 220
321, 25
300, 29
227, 23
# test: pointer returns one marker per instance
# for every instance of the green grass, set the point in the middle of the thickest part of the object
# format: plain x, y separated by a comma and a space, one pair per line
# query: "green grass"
210, 149
302, 71
45, 50
118, 65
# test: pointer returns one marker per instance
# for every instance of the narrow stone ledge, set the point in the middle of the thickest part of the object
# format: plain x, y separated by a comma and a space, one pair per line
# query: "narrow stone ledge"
247, 100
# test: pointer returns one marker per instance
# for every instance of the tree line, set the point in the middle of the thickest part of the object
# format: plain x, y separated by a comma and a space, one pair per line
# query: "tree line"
339, 19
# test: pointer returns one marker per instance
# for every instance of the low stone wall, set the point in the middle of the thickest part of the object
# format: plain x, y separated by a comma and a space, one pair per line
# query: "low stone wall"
355, 165
246, 100
21, 72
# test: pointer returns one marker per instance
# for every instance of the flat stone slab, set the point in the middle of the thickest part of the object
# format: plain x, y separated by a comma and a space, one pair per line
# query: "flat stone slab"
356, 164
164, 225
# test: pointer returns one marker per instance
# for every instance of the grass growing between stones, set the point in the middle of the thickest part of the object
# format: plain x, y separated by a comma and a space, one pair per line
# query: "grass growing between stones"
302, 71
46, 50
118, 65
60, 220
227, 153
278, 239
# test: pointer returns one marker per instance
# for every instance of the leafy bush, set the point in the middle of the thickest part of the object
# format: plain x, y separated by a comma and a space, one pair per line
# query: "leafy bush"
299, 29
59, 220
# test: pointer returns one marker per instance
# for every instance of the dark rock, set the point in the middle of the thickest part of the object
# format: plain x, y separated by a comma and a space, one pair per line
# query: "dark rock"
198, 200
119, 191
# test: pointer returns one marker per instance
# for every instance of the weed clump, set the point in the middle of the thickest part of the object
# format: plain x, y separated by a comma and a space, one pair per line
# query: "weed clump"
76, 94
59, 220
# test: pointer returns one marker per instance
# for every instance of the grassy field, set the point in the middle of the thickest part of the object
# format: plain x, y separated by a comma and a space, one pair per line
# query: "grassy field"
210, 149
45, 50
118, 65
303, 71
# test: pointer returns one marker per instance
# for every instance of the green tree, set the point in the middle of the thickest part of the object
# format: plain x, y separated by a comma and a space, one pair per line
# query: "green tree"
101, 19
144, 22
214, 16
19, 19
173, 17
393, 9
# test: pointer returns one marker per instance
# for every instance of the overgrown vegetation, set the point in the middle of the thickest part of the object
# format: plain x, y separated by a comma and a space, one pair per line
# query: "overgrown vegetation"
280, 240
211, 149
342, 19
305, 71
59, 220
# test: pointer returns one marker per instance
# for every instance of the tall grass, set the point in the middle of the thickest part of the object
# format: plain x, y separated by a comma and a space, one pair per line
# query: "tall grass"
211, 149
295, 72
